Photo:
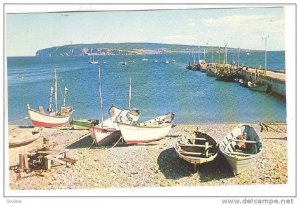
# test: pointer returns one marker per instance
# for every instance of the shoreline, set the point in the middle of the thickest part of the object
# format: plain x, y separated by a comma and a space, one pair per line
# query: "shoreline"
147, 165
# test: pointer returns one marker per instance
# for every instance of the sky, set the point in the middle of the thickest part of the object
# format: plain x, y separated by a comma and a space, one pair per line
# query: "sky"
239, 27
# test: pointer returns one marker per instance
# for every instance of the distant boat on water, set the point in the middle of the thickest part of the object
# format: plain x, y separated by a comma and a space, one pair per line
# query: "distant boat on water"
145, 59
52, 118
155, 61
92, 60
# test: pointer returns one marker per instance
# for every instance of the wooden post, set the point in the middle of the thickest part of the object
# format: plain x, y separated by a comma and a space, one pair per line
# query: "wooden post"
23, 162
47, 163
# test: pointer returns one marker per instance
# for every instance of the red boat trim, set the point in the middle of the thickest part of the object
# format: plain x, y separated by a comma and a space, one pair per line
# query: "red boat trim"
140, 141
44, 124
102, 129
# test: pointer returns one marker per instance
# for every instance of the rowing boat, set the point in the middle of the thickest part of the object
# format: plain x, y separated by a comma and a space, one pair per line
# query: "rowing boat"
197, 150
241, 147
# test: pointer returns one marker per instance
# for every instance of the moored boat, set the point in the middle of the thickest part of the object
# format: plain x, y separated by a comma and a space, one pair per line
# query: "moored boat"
52, 118
241, 147
197, 150
259, 87
92, 60
148, 131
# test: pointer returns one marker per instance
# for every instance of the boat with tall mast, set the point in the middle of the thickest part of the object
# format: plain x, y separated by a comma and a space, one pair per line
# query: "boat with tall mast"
92, 60
53, 118
108, 130
144, 58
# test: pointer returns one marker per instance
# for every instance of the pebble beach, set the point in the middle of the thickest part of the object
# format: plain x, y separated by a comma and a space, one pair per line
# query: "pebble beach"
154, 164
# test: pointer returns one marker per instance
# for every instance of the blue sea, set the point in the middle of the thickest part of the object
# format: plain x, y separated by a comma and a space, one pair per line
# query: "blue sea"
157, 88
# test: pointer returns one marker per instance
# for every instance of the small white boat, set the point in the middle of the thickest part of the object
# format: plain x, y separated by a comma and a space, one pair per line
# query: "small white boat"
148, 131
155, 61
241, 147
92, 60
145, 59
108, 130
166, 62
52, 118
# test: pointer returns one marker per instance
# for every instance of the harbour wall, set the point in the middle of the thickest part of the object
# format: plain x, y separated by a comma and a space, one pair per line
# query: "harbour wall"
275, 80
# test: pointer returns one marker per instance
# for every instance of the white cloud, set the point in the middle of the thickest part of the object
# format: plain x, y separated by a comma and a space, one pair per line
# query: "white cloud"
239, 30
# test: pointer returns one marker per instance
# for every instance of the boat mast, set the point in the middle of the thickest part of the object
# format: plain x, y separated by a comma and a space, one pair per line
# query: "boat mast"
219, 55
51, 94
199, 55
212, 55
100, 95
55, 90
239, 57
129, 94
65, 94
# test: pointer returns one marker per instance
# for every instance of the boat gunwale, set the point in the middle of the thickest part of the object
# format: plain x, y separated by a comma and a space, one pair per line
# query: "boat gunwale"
48, 115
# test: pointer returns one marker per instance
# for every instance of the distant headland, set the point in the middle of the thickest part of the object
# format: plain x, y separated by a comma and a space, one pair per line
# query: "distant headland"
120, 49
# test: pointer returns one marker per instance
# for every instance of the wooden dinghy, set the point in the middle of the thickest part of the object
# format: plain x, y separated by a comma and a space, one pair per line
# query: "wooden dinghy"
241, 147
201, 149
23, 138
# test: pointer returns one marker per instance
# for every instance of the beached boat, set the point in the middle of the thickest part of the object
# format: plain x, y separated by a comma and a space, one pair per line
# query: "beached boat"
241, 147
82, 124
26, 137
197, 150
148, 131
92, 60
108, 130
52, 118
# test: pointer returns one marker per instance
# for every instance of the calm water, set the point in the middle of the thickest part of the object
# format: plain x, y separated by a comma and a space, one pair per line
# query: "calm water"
157, 88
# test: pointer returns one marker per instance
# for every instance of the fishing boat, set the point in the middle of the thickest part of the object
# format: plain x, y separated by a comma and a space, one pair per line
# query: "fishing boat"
197, 150
259, 87
210, 71
147, 131
92, 60
226, 76
155, 61
52, 118
241, 147
166, 62
25, 137
108, 130
202, 66
243, 82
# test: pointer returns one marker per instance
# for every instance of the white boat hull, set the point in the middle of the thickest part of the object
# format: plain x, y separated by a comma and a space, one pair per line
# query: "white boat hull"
47, 120
138, 134
104, 136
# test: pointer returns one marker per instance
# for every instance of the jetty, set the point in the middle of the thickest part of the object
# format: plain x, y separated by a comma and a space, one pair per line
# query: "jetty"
275, 80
